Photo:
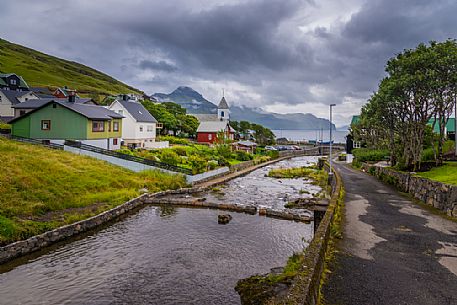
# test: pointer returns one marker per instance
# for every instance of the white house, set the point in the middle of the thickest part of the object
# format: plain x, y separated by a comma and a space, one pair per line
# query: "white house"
138, 126
9, 98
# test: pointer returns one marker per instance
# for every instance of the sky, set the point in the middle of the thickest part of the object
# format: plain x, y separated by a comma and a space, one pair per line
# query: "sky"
279, 55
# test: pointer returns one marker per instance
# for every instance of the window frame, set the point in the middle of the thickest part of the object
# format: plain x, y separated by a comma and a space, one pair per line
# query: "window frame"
115, 126
100, 123
46, 122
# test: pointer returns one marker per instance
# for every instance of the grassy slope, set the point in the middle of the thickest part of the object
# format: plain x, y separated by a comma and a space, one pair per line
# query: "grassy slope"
42, 70
446, 173
42, 189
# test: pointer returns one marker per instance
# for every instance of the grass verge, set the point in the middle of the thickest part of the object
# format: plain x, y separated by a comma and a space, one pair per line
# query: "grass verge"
446, 173
43, 189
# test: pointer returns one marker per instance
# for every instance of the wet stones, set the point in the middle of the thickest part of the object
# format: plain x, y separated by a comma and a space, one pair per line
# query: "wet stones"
223, 219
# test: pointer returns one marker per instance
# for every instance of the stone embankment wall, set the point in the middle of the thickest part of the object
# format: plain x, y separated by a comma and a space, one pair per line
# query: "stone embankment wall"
439, 195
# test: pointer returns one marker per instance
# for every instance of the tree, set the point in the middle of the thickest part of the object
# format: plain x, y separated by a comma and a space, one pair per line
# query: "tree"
188, 124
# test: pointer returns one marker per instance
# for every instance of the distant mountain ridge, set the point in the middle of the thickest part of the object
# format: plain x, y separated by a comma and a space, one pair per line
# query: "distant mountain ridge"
194, 102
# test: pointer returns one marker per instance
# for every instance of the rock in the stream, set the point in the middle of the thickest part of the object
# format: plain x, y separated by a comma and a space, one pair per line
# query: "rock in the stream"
224, 218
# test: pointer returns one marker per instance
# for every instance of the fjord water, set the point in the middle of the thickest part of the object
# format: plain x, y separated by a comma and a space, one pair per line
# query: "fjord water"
156, 256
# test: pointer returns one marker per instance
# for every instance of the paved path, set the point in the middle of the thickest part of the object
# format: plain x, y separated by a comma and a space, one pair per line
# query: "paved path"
393, 252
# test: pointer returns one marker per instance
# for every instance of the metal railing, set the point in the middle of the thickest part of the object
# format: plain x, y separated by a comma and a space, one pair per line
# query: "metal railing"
45, 143
119, 155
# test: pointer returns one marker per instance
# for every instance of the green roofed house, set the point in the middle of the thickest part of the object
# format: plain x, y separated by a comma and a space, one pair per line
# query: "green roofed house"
449, 129
355, 120
58, 120
11, 81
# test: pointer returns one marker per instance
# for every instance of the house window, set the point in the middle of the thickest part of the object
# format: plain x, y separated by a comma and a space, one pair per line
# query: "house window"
115, 126
114, 141
121, 112
141, 128
150, 128
98, 126
54, 105
13, 82
222, 114
210, 137
45, 125
109, 126
21, 112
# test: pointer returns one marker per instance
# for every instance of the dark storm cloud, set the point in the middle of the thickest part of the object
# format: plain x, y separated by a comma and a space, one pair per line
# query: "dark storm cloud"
264, 51
157, 66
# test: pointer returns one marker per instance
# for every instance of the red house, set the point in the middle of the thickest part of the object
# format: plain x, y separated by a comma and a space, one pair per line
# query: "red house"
207, 131
64, 92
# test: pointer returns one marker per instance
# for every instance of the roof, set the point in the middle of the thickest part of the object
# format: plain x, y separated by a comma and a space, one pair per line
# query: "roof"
355, 119
223, 104
93, 112
213, 126
205, 117
65, 90
12, 95
37, 103
22, 82
246, 143
137, 110
450, 125
42, 92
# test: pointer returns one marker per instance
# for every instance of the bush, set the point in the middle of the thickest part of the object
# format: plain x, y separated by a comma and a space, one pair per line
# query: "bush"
261, 159
243, 156
180, 150
224, 150
365, 154
273, 154
174, 140
197, 163
212, 164
170, 157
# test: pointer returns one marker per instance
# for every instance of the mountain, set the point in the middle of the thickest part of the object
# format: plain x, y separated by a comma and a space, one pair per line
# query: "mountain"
42, 70
194, 102
188, 98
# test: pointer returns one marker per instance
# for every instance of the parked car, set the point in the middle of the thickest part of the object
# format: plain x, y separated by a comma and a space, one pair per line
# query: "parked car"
270, 148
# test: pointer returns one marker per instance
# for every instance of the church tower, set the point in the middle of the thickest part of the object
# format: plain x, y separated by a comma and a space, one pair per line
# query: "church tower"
223, 111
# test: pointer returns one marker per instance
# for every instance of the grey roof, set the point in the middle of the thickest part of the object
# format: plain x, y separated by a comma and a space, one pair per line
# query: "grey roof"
21, 80
213, 126
12, 95
37, 103
246, 143
205, 117
93, 112
223, 104
137, 110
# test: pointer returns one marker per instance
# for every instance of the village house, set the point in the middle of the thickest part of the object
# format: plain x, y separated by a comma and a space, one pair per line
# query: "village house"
58, 120
10, 98
139, 126
247, 146
23, 108
11, 81
64, 92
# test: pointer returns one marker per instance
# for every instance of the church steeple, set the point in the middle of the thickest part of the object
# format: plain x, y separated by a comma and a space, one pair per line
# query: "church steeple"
223, 111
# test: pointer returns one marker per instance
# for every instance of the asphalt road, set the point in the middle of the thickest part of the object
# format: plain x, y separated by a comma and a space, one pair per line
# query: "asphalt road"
393, 251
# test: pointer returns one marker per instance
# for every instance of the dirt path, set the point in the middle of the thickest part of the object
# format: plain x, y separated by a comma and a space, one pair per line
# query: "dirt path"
393, 251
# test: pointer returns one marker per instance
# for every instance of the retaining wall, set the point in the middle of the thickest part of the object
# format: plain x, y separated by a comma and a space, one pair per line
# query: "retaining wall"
439, 195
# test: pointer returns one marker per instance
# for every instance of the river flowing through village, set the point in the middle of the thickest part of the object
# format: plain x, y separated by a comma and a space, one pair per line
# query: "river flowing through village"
168, 255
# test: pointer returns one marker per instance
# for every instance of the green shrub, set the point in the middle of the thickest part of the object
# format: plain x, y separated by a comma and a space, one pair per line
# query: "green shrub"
180, 150
261, 159
243, 156
224, 150
212, 164
428, 155
5, 126
197, 163
174, 140
365, 154
170, 157
273, 154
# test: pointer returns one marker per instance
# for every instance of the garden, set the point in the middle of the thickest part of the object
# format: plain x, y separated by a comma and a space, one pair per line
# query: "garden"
199, 158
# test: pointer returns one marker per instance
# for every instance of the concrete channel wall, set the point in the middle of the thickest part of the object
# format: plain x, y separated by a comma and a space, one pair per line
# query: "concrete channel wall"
439, 195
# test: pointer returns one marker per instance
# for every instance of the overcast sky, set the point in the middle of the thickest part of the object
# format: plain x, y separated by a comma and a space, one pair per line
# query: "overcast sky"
280, 55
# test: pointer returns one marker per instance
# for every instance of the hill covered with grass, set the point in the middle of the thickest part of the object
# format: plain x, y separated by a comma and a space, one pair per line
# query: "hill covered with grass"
42, 189
42, 70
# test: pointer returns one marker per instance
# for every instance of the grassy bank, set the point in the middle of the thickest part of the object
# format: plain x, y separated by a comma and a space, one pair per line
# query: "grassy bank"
446, 173
42, 189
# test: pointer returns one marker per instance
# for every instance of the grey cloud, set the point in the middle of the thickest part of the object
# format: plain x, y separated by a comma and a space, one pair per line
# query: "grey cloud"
157, 66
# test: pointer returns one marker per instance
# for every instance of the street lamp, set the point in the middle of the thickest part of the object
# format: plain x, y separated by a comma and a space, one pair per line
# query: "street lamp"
330, 157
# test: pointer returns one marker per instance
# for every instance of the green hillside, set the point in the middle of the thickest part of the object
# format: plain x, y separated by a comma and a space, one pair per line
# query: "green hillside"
42, 70
43, 189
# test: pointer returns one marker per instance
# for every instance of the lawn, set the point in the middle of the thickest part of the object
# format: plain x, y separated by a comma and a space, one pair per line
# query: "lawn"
42, 188
446, 173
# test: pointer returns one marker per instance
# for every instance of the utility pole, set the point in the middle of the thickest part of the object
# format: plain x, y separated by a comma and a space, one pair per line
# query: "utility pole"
455, 125
330, 156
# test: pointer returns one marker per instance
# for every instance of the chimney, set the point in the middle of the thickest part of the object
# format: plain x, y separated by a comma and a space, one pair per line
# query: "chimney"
71, 96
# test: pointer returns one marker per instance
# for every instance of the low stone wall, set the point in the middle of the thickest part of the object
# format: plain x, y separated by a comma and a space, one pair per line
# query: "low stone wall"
439, 195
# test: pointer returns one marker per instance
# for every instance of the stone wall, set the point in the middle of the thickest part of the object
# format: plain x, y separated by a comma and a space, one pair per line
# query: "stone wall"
439, 195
